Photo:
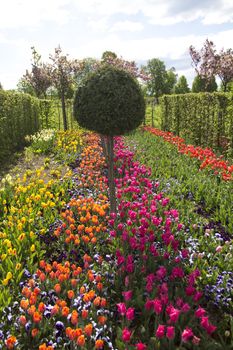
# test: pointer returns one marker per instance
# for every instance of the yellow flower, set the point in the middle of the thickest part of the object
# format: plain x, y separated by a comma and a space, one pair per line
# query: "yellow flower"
23, 220
18, 266
2, 234
3, 256
20, 226
33, 248
21, 237
32, 234
12, 211
7, 242
12, 251
5, 282
9, 275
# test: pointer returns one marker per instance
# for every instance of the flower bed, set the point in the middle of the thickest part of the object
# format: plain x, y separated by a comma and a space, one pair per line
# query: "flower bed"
120, 281
160, 303
206, 156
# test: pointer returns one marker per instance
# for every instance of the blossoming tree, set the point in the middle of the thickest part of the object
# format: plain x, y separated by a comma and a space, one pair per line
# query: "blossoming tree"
209, 63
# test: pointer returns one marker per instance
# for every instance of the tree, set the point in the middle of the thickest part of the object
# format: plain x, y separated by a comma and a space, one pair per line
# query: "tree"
208, 63
171, 80
110, 58
161, 81
203, 85
111, 103
229, 87
38, 80
1, 87
156, 70
25, 86
62, 73
87, 66
107, 55
181, 86
90, 65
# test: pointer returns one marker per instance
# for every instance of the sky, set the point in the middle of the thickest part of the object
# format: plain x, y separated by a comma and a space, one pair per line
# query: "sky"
136, 30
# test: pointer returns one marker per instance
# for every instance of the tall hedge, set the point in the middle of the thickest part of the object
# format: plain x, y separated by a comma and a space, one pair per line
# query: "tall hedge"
204, 119
19, 116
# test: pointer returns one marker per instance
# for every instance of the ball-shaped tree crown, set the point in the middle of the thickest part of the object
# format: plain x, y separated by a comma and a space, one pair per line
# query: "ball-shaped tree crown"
110, 102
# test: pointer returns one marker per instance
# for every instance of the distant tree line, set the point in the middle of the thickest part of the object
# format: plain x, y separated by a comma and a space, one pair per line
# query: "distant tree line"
61, 76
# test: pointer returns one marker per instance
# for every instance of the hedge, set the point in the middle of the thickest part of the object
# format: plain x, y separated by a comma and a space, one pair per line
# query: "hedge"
204, 119
20, 115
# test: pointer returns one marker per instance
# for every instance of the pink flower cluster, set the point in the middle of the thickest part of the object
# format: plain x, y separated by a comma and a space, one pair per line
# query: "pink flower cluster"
158, 283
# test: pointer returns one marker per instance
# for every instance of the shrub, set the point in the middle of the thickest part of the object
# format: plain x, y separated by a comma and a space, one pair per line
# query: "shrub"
109, 102
204, 119
20, 115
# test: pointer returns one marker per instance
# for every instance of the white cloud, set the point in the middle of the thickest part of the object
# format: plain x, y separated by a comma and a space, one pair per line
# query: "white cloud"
98, 25
20, 13
2, 38
24, 13
128, 26
163, 12
143, 49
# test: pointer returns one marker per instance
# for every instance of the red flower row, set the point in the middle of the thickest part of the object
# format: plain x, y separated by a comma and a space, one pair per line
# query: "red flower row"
206, 156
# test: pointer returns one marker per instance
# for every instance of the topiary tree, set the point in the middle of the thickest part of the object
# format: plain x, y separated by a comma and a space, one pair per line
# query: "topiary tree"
110, 102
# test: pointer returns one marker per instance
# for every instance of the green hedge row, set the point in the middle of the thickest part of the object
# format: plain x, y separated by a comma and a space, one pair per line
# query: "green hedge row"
51, 115
20, 115
204, 119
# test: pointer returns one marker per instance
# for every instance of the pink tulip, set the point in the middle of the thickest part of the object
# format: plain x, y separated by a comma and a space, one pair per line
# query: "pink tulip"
160, 331
127, 295
170, 332
130, 314
126, 335
187, 334
121, 308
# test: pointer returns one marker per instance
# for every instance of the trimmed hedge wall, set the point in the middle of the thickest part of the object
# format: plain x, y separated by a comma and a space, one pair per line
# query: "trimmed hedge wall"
204, 119
20, 115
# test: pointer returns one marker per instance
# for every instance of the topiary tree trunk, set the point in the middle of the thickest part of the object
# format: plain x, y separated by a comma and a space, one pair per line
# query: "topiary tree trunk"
63, 106
111, 177
104, 146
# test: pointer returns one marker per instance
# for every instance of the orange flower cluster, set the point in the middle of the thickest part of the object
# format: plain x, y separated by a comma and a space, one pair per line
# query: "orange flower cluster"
83, 221
44, 347
66, 281
10, 342
91, 165
206, 156
65, 295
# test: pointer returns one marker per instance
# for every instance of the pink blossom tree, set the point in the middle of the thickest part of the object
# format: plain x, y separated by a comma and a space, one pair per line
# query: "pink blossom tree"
209, 63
